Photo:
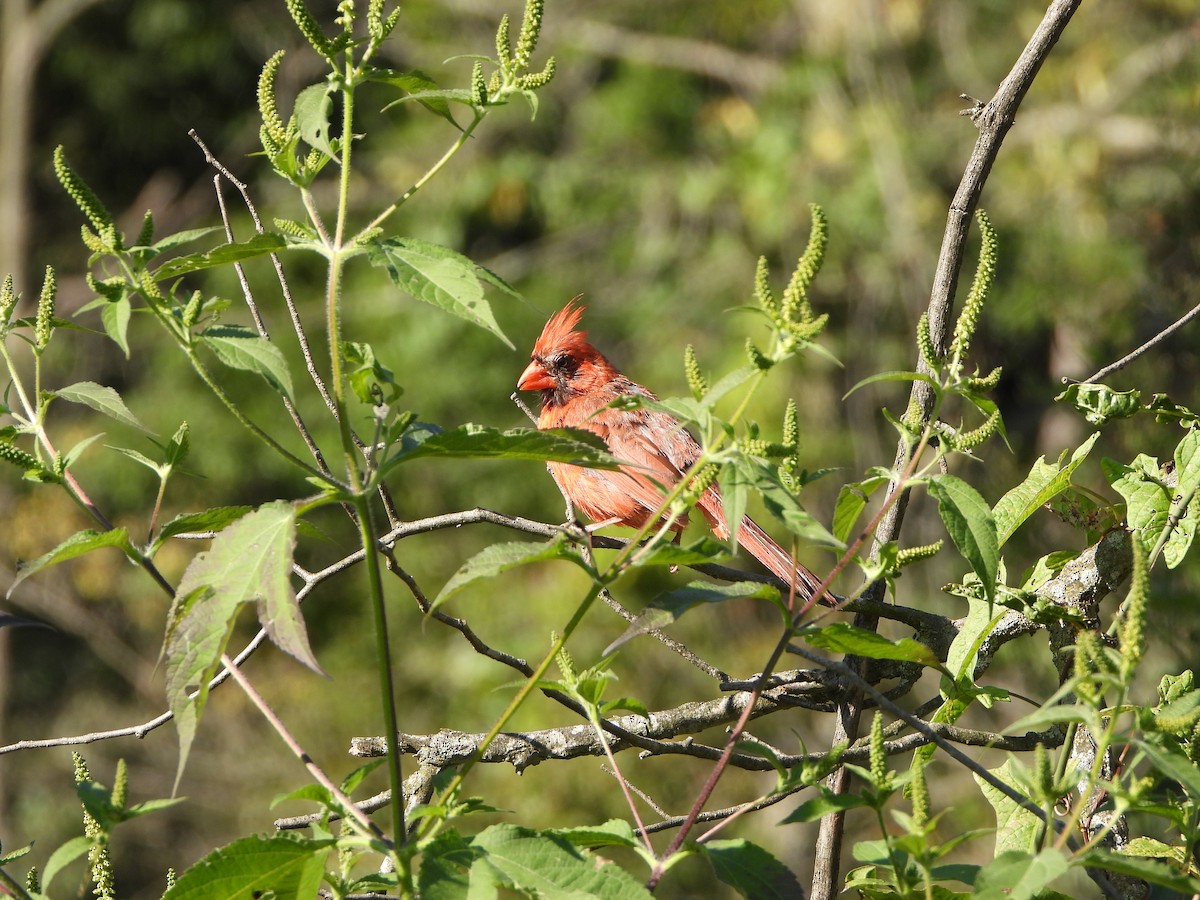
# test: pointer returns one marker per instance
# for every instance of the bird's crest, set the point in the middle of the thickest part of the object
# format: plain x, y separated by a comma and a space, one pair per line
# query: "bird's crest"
560, 332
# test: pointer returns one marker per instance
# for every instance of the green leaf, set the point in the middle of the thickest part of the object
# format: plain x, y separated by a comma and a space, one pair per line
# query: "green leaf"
892, 376
842, 637
613, 833
667, 553
312, 116
1187, 473
250, 561
1019, 875
1173, 765
76, 545
13, 855
64, 855
499, 558
971, 526
782, 504
1017, 828
1100, 404
1147, 497
115, 318
259, 245
1150, 870
735, 482
666, 608
550, 866
444, 862
179, 238
210, 520
751, 871
415, 82
1043, 483
241, 348
819, 807
102, 399
567, 445
440, 277
254, 867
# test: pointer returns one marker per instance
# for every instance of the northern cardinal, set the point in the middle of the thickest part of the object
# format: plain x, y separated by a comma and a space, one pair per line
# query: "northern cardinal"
577, 383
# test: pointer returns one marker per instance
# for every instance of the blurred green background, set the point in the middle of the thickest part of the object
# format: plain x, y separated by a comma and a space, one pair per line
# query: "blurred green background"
678, 142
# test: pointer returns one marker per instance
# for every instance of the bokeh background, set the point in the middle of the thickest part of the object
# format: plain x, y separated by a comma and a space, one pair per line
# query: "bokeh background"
678, 142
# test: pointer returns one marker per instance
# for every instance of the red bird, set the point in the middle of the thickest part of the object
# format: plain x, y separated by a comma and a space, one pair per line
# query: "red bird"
577, 383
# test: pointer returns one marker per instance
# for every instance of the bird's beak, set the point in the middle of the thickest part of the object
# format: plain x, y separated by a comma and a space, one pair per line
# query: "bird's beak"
535, 378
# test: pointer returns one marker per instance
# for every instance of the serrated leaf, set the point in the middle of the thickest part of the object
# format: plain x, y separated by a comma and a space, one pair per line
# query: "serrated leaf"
969, 521
312, 116
250, 561
567, 445
613, 833
76, 545
842, 637
444, 863
254, 867
551, 866
103, 400
499, 558
259, 245
210, 520
751, 871
668, 607
1147, 498
1187, 474
851, 501
440, 277
1043, 483
1017, 828
241, 348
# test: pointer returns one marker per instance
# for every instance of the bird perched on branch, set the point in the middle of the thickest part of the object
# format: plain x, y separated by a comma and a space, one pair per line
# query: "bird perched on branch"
577, 384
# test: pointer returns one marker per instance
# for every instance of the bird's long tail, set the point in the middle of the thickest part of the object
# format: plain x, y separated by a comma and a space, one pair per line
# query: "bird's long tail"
760, 545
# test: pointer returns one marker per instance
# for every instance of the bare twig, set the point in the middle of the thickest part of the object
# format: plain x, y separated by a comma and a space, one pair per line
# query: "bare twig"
1153, 342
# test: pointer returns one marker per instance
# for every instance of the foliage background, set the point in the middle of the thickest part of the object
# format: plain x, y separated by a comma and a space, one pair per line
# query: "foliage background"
676, 144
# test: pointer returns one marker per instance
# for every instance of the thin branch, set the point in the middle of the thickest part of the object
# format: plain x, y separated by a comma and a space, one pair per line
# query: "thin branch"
1153, 342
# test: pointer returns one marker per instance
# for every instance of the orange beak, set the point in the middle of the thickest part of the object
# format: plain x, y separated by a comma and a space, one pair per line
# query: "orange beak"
535, 378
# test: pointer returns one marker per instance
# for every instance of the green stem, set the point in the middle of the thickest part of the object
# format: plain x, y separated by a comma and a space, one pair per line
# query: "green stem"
361, 501
528, 688
433, 170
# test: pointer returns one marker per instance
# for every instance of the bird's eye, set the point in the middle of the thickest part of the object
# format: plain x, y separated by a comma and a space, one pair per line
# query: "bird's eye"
561, 362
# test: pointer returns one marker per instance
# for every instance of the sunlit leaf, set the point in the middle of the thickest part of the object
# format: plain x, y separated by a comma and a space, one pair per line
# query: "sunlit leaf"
259, 245
971, 526
102, 399
76, 545
1041, 485
241, 348
441, 277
